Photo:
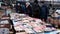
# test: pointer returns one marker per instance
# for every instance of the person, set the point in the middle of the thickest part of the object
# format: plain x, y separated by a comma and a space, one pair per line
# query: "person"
13, 5
23, 8
19, 8
36, 9
16, 7
50, 10
8, 10
29, 9
44, 11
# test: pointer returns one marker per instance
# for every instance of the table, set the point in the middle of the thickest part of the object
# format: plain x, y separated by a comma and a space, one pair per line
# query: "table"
53, 32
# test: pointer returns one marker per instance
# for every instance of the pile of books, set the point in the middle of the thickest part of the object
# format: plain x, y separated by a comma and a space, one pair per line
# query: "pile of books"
29, 24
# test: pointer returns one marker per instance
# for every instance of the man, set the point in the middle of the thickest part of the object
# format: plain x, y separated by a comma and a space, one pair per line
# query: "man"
19, 8
28, 9
44, 12
36, 10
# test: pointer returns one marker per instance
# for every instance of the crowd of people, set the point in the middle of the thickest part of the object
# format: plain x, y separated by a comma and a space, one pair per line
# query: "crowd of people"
34, 10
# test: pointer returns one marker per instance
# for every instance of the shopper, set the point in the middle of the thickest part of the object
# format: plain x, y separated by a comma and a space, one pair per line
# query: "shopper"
36, 9
16, 7
50, 10
19, 8
44, 11
28, 9
7, 10
24, 8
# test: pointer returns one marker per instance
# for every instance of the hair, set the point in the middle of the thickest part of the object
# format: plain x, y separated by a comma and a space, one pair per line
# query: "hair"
35, 1
42, 2
50, 5
57, 12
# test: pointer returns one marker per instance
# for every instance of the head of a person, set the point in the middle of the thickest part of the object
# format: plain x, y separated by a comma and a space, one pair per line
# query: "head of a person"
18, 4
36, 1
27, 3
42, 2
55, 13
50, 6
8, 7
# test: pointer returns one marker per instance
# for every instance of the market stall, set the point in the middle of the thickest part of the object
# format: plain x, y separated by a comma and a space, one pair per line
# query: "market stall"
29, 25
25, 23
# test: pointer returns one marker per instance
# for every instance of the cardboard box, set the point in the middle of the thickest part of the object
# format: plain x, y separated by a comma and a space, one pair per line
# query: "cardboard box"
21, 33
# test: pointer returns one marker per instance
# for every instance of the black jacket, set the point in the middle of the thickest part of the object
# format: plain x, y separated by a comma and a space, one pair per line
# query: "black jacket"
29, 10
36, 10
19, 9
